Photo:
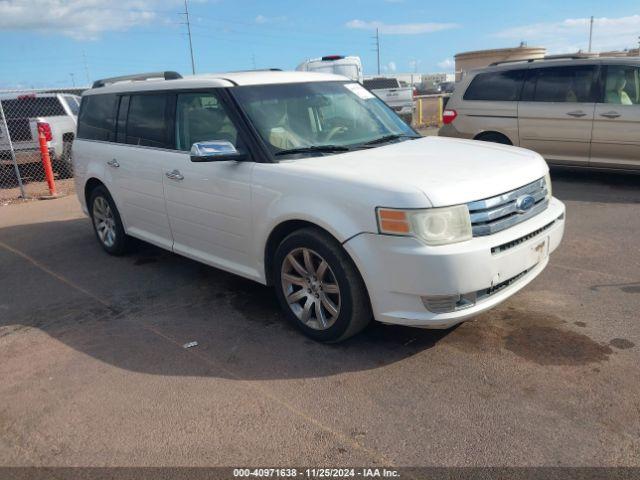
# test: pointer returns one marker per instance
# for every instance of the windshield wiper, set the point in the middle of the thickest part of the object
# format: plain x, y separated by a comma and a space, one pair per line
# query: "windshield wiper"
314, 149
389, 138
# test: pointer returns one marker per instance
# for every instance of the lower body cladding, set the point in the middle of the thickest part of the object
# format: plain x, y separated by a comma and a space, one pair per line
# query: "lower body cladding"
413, 284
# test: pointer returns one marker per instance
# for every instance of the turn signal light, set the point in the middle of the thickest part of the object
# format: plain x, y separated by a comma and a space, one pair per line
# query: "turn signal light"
394, 222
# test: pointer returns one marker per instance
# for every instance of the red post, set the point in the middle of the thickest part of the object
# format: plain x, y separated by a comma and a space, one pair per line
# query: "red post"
46, 161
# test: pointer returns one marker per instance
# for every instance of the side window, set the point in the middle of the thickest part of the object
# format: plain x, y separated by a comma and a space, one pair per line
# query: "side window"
97, 117
560, 84
73, 104
622, 85
201, 117
147, 120
496, 86
121, 126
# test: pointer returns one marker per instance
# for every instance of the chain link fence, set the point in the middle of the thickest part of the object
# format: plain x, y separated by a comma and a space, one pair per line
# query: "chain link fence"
24, 116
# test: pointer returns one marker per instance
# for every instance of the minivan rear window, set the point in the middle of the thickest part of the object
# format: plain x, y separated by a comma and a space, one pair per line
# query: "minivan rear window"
560, 84
97, 117
502, 86
29, 106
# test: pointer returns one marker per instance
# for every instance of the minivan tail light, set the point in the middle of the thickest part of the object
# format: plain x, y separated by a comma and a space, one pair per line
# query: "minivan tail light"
448, 116
45, 129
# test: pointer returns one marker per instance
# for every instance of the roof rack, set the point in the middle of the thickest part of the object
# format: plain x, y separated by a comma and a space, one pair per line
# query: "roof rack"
548, 57
168, 75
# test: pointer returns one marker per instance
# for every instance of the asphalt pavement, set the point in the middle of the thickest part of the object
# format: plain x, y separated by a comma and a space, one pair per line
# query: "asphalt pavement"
94, 372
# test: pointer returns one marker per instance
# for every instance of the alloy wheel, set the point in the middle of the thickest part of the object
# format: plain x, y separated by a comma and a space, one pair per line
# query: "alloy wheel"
104, 221
311, 288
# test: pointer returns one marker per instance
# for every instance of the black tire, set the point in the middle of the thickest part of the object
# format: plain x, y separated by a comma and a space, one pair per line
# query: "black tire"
121, 240
494, 137
354, 312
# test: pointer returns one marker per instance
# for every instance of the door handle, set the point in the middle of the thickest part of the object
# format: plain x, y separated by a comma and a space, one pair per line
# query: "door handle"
610, 114
113, 163
577, 114
174, 175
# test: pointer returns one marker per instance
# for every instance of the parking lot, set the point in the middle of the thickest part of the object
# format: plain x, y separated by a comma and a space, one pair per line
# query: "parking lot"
94, 371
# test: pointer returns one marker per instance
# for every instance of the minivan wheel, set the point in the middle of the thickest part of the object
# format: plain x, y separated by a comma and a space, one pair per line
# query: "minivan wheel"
106, 221
494, 137
319, 287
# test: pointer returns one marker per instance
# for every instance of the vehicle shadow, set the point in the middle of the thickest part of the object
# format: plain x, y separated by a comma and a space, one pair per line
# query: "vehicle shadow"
138, 310
593, 186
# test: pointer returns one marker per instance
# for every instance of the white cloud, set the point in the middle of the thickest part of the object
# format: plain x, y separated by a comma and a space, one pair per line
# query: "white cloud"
447, 64
391, 66
261, 19
572, 34
400, 28
82, 19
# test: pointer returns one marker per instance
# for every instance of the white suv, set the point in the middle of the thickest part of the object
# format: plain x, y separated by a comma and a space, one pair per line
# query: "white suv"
310, 183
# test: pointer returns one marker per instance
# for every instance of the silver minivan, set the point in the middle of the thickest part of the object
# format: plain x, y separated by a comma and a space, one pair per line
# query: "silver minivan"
573, 111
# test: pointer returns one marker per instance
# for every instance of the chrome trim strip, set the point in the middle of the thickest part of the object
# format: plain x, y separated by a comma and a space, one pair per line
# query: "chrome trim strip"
507, 197
490, 228
498, 213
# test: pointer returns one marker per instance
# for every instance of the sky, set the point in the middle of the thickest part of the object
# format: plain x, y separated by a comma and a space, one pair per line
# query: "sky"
60, 43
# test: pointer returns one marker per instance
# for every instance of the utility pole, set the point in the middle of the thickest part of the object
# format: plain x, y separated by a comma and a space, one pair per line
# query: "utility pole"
86, 67
73, 79
378, 47
590, 32
186, 14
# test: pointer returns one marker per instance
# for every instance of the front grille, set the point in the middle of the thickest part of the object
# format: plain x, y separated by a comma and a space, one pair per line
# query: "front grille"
502, 285
518, 241
498, 213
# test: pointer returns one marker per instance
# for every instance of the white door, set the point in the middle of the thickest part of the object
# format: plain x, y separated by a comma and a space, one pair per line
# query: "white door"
139, 161
209, 203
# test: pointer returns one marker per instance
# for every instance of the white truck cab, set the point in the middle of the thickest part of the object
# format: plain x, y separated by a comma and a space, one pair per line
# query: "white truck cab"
311, 184
350, 66
54, 113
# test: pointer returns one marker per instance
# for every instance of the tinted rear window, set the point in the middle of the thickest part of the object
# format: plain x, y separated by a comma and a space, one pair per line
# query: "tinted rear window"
380, 83
496, 86
97, 117
146, 124
29, 107
560, 84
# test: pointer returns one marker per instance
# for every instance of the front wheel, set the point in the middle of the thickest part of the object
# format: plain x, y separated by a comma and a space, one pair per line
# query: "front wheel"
319, 287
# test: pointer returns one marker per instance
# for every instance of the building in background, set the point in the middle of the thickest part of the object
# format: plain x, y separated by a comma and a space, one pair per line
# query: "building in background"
466, 61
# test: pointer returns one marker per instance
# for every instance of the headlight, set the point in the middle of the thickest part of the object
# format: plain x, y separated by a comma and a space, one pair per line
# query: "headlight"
547, 180
434, 226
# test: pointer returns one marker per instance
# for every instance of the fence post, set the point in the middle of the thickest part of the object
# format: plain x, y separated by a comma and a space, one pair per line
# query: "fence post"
420, 119
46, 162
440, 109
13, 153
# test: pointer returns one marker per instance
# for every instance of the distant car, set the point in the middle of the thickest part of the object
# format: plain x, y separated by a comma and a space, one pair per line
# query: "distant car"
573, 111
310, 183
447, 87
389, 90
54, 113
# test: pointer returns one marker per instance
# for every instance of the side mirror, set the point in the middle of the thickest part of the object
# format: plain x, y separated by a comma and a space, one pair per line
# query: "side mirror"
216, 151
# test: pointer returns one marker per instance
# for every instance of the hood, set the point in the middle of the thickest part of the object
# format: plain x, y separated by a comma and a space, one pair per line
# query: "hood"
448, 171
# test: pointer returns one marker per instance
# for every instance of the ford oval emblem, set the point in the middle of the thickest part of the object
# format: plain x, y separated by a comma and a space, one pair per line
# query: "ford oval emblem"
525, 203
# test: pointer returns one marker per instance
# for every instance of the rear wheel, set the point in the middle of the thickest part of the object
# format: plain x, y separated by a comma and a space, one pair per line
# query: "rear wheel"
494, 137
319, 287
106, 222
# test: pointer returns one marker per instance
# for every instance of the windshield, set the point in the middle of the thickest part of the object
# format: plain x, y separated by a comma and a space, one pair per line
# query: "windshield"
328, 116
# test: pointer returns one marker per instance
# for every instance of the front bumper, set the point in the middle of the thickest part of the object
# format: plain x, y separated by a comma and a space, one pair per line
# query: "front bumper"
400, 272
